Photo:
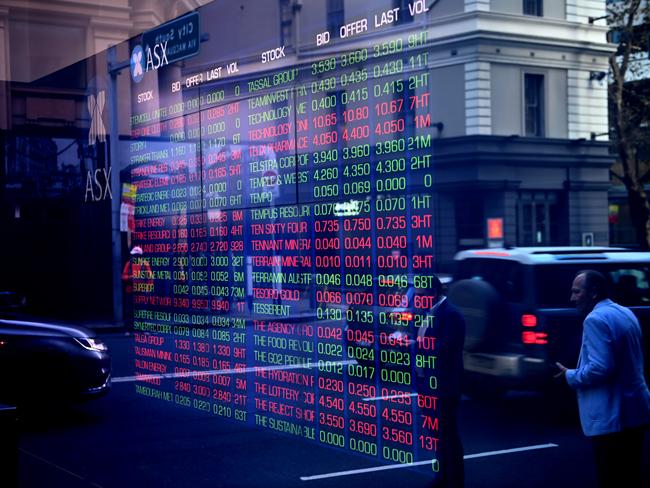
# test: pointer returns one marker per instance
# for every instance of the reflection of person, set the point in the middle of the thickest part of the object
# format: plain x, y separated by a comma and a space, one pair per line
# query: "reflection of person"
613, 397
136, 270
447, 326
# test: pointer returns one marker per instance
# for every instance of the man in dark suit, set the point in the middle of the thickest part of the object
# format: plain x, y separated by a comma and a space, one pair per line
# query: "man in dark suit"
443, 382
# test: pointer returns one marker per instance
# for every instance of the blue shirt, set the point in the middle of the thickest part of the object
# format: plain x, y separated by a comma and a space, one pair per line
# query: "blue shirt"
611, 388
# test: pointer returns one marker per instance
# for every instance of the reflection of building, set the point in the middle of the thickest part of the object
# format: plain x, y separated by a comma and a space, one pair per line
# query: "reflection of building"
517, 93
515, 96
35, 37
512, 146
46, 75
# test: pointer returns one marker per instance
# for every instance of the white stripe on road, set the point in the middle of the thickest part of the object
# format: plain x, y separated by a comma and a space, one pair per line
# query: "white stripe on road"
215, 372
509, 451
422, 463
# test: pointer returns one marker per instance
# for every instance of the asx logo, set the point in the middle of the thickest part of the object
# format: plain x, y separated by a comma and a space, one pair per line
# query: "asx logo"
137, 64
156, 57
97, 130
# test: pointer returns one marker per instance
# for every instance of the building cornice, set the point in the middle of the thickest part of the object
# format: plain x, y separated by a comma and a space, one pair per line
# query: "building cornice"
541, 30
522, 151
44, 9
480, 26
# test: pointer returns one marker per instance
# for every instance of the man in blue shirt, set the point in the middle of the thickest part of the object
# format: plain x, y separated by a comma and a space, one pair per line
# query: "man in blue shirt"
613, 397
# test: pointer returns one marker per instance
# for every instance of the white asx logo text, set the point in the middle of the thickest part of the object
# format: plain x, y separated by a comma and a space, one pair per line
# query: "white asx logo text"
157, 56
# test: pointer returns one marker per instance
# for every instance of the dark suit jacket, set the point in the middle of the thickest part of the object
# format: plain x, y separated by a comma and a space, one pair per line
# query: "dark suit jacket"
448, 327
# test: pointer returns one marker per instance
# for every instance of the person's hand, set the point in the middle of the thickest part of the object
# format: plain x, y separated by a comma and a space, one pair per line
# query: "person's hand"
562, 370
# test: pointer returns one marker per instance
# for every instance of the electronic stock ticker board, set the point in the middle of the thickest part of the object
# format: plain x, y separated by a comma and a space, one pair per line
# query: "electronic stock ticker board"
286, 216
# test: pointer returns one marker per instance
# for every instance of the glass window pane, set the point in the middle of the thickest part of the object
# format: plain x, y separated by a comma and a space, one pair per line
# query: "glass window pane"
534, 104
533, 7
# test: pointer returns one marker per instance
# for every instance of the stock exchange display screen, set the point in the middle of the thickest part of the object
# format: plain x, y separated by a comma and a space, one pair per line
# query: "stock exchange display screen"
284, 208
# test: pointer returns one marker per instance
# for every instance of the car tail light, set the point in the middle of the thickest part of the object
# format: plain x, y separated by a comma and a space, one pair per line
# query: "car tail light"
529, 337
528, 320
491, 253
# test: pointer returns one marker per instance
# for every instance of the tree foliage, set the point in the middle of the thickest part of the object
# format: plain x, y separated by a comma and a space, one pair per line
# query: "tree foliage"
629, 107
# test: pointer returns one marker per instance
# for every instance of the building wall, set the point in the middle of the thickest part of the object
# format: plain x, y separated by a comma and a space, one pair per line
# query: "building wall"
508, 98
478, 111
555, 9
555, 96
448, 98
581, 10
551, 8
506, 6
447, 7
27, 38
587, 105
588, 210
477, 5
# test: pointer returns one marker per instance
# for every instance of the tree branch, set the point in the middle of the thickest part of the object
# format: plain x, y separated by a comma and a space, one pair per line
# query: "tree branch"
631, 11
645, 178
622, 178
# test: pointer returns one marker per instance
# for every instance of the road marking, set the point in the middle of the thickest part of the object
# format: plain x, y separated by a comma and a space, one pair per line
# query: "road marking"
423, 463
215, 372
60, 468
390, 397
509, 451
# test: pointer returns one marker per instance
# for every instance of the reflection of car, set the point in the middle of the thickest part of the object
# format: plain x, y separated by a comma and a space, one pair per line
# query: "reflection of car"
519, 317
49, 361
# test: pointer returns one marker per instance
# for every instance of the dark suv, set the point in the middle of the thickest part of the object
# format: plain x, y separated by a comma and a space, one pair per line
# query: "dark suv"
520, 320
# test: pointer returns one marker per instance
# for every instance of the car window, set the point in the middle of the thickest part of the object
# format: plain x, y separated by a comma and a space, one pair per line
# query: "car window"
505, 276
629, 283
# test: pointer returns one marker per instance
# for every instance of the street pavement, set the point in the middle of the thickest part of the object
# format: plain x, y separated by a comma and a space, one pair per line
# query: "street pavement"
124, 440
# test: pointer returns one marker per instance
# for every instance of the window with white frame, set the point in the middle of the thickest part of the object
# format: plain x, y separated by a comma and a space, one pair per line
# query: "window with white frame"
534, 105
533, 7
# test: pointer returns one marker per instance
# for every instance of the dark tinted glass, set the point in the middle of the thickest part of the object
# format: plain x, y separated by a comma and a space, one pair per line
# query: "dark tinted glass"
533, 7
505, 276
534, 104
629, 283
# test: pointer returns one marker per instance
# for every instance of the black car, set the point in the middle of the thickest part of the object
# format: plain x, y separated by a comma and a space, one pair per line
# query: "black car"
45, 361
519, 318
